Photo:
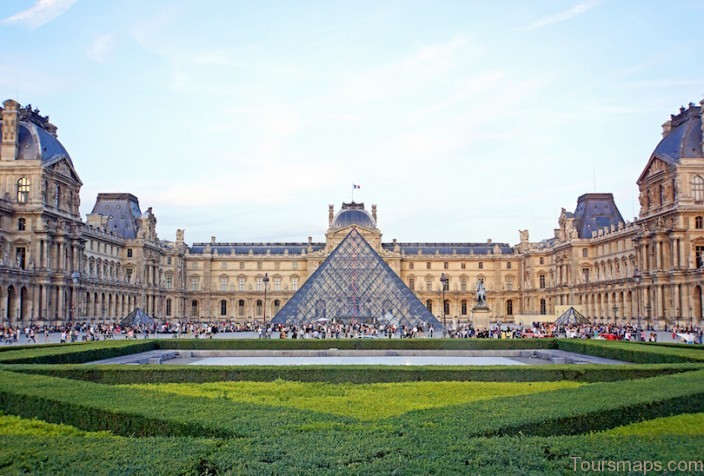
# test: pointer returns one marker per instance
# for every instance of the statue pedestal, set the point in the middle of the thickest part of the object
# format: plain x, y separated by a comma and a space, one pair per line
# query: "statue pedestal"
480, 317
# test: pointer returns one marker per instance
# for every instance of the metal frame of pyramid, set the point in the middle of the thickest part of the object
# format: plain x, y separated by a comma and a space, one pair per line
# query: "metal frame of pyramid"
571, 316
355, 284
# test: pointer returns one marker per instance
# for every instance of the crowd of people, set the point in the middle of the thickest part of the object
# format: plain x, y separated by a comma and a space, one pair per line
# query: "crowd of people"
323, 329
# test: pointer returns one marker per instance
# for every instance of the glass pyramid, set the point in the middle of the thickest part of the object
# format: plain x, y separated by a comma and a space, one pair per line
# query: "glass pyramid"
355, 285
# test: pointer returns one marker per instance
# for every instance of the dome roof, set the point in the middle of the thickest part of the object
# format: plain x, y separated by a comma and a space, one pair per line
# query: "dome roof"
683, 136
36, 143
353, 214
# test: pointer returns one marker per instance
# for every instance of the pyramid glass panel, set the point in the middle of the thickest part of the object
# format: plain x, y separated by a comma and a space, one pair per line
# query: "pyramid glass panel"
355, 285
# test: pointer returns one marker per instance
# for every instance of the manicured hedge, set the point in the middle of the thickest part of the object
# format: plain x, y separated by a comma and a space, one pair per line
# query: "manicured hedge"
76, 353
128, 374
357, 344
638, 353
130, 411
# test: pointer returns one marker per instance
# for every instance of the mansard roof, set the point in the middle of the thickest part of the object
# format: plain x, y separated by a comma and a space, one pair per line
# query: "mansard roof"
449, 248
122, 210
595, 211
255, 248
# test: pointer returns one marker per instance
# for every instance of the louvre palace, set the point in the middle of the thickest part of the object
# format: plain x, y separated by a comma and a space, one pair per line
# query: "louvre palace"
56, 266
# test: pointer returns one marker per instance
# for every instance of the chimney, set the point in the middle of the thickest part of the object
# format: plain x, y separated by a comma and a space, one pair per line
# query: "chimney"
666, 127
331, 214
212, 240
10, 130
374, 213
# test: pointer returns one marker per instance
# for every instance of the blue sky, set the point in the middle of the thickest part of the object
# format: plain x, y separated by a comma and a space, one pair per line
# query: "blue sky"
462, 120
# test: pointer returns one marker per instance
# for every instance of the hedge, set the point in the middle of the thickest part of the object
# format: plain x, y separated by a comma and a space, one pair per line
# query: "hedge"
76, 353
129, 374
638, 353
587, 408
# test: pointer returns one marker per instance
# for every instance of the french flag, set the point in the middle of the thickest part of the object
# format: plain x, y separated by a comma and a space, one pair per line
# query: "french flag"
355, 186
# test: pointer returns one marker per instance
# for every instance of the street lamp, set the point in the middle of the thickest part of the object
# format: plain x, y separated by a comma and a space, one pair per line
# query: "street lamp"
690, 316
636, 278
677, 316
443, 280
647, 314
266, 281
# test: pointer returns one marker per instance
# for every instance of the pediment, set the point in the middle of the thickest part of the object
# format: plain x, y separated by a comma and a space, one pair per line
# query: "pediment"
63, 166
656, 165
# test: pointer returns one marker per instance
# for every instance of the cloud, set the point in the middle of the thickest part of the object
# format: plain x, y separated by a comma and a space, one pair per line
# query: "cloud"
100, 48
40, 13
564, 15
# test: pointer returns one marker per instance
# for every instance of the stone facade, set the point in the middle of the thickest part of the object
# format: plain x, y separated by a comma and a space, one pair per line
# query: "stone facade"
55, 267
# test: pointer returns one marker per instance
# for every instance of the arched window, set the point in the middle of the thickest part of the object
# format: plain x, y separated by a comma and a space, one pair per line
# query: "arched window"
259, 307
194, 308
446, 306
509, 307
698, 188
223, 308
168, 307
463, 307
240, 307
541, 281
543, 308
429, 305
277, 306
23, 190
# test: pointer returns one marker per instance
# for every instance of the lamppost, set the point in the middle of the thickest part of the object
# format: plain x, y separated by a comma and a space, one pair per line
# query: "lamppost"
266, 281
636, 278
647, 314
690, 316
443, 280
677, 316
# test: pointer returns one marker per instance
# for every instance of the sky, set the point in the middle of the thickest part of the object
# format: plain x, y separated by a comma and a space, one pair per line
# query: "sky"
462, 120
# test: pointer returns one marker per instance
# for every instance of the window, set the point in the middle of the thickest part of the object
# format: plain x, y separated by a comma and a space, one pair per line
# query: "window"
259, 307
223, 284
509, 283
541, 279
412, 283
508, 265
168, 307
481, 265
58, 196
277, 306
429, 305
585, 253
259, 265
463, 284
240, 284
294, 265
277, 265
277, 284
168, 260
662, 195
194, 308
542, 260
240, 307
169, 281
698, 223
428, 284
543, 308
446, 265
446, 307
463, 266
21, 224
194, 283
698, 188
23, 190
427, 265
410, 265
585, 275
509, 307
128, 274
463, 307
129, 252
223, 308
223, 265
446, 284
294, 284
241, 264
